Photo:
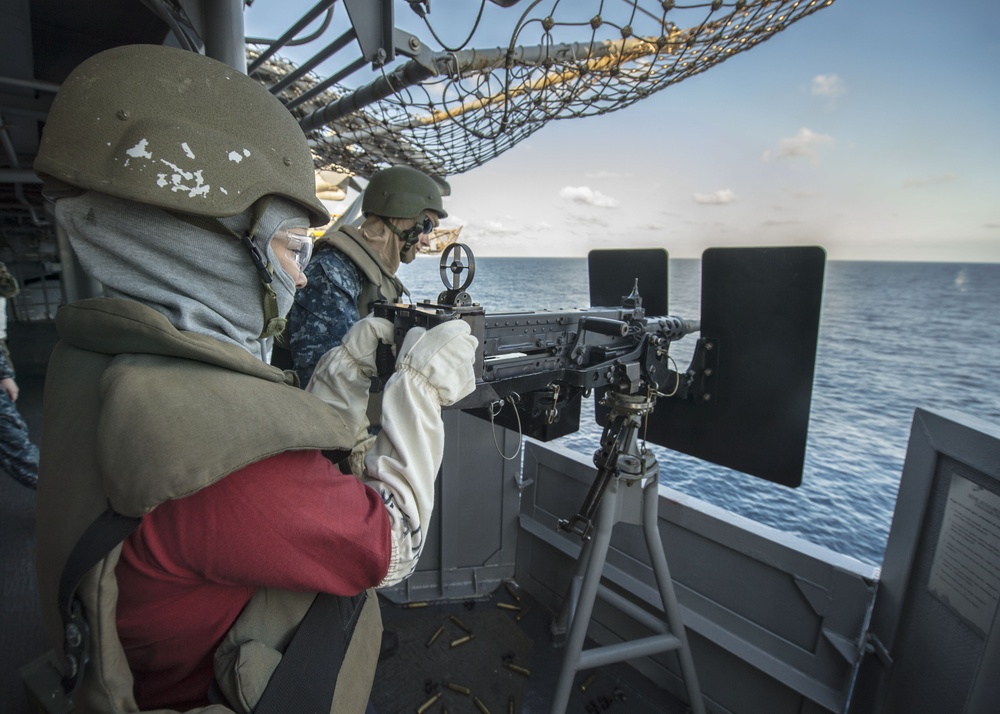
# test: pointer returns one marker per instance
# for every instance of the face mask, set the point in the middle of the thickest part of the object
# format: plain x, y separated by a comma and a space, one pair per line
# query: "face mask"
278, 286
283, 284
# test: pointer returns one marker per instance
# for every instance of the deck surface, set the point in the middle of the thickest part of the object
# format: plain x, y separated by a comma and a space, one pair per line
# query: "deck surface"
492, 665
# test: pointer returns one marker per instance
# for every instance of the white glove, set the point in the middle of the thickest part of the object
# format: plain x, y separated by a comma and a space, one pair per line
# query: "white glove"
442, 357
343, 376
435, 368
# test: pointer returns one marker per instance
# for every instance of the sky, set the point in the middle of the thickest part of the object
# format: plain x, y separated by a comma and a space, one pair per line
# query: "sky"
871, 128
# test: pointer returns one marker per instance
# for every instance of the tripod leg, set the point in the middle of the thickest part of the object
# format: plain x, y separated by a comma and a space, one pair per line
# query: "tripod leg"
658, 559
598, 551
562, 622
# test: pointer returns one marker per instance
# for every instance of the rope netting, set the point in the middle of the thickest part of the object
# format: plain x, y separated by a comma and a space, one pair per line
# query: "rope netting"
455, 108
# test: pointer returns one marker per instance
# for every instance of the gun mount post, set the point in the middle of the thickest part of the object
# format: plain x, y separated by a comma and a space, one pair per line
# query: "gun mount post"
615, 459
622, 464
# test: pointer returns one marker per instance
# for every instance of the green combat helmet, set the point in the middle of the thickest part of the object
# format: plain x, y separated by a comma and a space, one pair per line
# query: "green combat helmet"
402, 192
176, 130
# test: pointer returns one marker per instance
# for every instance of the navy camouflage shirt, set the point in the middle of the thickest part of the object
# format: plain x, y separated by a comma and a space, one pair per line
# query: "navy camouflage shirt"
324, 310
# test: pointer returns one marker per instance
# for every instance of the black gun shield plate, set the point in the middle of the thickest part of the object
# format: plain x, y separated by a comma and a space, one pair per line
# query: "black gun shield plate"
613, 274
762, 305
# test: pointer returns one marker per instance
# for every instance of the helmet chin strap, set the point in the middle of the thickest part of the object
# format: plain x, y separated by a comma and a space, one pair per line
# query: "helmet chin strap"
409, 237
273, 322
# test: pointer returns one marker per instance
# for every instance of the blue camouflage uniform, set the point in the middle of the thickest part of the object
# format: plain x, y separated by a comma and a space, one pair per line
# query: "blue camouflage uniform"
344, 278
18, 455
324, 310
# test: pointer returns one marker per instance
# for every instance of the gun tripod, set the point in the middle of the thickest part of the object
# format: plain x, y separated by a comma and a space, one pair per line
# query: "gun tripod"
614, 498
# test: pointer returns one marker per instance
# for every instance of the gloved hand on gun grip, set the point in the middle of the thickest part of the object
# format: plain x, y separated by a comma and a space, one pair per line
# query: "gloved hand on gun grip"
343, 376
434, 368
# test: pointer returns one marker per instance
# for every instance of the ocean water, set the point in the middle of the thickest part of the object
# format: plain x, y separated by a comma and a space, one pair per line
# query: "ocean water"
893, 337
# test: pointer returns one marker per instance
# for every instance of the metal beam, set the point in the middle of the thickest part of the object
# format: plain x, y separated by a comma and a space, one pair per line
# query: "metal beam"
224, 33
18, 176
301, 24
305, 68
373, 21
30, 84
407, 75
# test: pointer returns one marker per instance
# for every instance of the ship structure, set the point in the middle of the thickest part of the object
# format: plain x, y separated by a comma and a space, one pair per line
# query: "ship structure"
440, 239
645, 600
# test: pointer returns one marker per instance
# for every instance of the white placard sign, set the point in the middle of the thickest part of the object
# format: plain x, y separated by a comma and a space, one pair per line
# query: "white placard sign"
965, 574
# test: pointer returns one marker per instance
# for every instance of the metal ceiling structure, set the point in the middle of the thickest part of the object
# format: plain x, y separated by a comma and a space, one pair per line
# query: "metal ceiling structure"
441, 108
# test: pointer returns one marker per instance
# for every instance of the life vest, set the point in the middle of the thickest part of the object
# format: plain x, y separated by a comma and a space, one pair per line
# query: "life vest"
129, 422
380, 284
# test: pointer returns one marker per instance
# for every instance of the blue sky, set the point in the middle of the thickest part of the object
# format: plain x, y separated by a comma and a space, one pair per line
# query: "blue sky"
870, 128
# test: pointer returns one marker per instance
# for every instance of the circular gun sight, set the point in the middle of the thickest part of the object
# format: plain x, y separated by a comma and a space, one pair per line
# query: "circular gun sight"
456, 259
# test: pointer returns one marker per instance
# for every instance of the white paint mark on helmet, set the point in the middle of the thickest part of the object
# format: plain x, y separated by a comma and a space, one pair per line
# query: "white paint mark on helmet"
187, 150
201, 188
139, 150
235, 156
177, 181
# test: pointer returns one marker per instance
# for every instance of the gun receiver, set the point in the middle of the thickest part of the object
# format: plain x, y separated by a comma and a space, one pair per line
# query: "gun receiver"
544, 361
577, 351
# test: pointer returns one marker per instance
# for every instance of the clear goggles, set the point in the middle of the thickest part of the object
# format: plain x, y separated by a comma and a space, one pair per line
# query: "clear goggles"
299, 246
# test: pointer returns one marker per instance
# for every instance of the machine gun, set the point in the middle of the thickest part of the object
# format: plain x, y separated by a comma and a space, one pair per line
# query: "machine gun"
739, 403
743, 402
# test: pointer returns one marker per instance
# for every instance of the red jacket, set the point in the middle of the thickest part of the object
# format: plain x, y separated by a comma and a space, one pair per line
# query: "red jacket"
292, 521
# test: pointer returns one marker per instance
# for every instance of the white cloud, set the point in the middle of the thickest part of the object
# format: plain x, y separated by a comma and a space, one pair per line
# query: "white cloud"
929, 180
586, 221
490, 228
828, 85
588, 196
716, 198
803, 145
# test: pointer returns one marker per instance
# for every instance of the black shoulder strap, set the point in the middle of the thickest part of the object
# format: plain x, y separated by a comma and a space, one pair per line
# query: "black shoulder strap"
307, 674
108, 530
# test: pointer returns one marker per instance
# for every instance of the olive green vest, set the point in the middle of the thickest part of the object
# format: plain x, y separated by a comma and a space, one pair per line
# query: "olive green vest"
380, 284
137, 413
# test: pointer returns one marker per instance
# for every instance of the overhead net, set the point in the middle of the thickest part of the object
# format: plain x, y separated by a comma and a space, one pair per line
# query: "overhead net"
564, 59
